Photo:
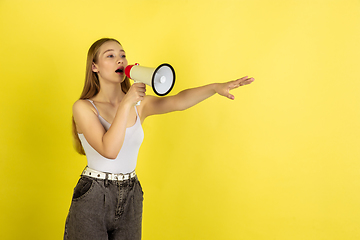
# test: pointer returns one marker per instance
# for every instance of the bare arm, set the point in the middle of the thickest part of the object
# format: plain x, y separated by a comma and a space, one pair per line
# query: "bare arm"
190, 97
107, 143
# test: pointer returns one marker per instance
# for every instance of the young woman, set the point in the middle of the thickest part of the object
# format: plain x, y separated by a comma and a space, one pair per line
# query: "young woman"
107, 200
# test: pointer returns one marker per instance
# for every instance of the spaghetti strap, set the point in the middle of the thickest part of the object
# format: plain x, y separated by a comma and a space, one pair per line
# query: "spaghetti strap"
94, 106
137, 114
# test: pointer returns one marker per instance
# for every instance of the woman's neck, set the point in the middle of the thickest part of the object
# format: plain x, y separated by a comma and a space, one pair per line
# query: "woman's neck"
110, 93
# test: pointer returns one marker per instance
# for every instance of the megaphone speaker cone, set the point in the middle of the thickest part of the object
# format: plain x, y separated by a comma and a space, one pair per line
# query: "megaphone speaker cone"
163, 79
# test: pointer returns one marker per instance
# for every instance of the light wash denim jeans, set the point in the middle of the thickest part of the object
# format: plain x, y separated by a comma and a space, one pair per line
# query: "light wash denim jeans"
105, 209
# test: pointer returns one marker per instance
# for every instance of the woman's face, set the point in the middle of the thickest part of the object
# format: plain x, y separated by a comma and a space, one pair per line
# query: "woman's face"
111, 62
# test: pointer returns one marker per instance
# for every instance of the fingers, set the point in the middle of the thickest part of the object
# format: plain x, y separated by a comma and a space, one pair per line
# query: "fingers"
139, 85
136, 92
230, 96
140, 88
244, 81
238, 83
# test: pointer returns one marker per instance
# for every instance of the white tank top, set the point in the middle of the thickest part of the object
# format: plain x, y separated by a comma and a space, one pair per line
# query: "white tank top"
126, 160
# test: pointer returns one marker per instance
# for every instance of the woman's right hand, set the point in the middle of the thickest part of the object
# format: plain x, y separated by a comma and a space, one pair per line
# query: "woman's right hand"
135, 94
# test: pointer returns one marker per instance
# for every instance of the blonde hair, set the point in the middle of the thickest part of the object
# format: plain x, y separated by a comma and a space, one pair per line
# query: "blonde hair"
92, 85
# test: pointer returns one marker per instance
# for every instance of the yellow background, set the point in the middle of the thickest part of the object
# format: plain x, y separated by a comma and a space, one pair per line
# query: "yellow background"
280, 162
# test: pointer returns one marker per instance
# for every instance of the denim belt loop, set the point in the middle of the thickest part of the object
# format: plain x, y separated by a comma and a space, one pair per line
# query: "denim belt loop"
106, 179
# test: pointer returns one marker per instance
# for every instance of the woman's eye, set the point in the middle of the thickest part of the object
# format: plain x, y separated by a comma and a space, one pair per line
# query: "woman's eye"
123, 56
110, 56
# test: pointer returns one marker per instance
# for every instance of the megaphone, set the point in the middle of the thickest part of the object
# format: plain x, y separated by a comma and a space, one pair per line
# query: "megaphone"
161, 79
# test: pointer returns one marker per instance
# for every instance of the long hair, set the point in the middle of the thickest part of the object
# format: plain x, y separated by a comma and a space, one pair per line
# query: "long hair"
92, 84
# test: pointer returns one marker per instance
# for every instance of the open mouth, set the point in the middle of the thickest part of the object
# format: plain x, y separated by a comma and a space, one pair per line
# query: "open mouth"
120, 70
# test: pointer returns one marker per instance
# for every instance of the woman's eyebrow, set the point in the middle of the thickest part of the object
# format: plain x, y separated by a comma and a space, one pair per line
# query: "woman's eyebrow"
112, 50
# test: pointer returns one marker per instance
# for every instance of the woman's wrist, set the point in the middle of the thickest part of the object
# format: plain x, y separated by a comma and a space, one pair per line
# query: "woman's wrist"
215, 87
125, 105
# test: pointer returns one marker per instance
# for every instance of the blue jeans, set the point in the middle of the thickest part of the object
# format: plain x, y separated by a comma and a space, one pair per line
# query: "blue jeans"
105, 209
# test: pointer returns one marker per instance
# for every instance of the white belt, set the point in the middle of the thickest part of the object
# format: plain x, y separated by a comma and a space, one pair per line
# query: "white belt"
110, 176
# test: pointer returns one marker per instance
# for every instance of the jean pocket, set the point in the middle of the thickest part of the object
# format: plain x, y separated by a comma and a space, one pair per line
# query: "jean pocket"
83, 188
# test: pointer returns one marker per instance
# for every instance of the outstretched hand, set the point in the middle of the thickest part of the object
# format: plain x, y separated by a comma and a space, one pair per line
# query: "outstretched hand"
223, 89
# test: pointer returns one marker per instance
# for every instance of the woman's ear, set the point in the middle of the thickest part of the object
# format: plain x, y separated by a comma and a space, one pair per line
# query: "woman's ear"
94, 68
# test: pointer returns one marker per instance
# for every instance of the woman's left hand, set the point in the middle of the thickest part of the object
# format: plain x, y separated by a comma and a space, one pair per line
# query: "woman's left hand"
223, 89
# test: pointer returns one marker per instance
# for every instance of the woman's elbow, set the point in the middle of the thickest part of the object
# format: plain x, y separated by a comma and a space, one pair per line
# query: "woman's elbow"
110, 154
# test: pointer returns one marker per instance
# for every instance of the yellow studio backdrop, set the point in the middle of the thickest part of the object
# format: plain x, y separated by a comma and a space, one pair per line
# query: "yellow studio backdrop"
281, 161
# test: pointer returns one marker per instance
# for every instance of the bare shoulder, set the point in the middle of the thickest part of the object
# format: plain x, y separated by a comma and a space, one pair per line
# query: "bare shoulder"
81, 106
85, 115
153, 99
147, 102
149, 98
